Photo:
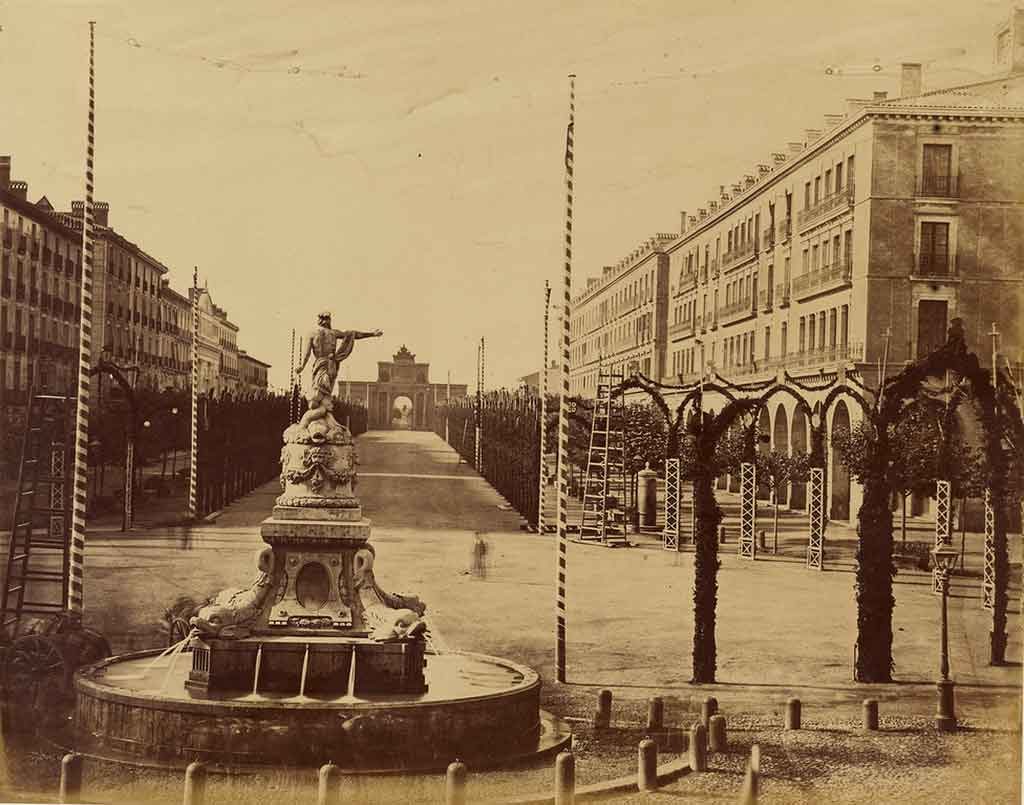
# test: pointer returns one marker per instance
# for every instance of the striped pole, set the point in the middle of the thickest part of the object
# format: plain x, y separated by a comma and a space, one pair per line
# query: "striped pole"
292, 399
543, 412
193, 471
77, 552
479, 403
563, 403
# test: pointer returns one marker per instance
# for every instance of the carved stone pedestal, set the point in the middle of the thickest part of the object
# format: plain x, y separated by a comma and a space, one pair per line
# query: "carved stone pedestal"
316, 601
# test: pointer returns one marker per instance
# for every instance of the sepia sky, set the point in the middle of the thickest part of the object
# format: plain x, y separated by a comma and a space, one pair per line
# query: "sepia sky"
401, 164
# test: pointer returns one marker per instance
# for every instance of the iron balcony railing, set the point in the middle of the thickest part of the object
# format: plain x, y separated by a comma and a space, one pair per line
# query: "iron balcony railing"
934, 265
824, 279
682, 327
739, 254
688, 282
738, 310
827, 207
940, 186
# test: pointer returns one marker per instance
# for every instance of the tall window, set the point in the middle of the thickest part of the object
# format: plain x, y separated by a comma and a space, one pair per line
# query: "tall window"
931, 325
937, 165
828, 181
844, 325
817, 189
839, 176
807, 260
934, 258
850, 175
782, 342
767, 342
807, 195
803, 334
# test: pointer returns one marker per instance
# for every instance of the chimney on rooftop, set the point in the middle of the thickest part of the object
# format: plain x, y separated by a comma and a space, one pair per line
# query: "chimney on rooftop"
5, 171
910, 80
795, 148
702, 212
778, 158
880, 96
20, 189
100, 213
812, 135
763, 170
831, 121
682, 222
854, 105
693, 220
748, 181
1009, 55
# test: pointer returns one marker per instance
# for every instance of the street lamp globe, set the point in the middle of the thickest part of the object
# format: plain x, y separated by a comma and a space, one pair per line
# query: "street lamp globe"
945, 557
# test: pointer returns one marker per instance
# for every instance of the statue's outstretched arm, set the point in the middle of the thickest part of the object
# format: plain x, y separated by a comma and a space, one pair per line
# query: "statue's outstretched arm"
375, 334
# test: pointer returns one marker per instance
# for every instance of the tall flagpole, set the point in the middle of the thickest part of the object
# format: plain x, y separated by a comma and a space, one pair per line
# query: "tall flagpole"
479, 403
292, 402
193, 508
563, 402
77, 552
543, 412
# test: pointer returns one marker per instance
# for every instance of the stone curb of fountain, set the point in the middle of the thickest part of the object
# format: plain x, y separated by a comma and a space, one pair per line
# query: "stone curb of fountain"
627, 784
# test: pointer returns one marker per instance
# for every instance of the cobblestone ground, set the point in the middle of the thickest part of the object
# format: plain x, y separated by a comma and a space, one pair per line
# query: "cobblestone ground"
782, 631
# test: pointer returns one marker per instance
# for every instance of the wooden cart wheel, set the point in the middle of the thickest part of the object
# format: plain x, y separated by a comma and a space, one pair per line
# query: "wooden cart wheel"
38, 677
179, 631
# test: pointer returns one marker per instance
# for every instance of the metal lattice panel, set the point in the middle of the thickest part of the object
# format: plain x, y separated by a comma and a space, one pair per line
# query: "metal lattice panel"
748, 510
816, 517
988, 579
671, 533
942, 527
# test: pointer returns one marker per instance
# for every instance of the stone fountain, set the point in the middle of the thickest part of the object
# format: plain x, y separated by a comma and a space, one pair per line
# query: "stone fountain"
313, 661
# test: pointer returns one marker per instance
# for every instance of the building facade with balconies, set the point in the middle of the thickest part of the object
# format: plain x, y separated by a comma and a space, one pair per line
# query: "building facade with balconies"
175, 337
858, 246
252, 373
619, 320
127, 324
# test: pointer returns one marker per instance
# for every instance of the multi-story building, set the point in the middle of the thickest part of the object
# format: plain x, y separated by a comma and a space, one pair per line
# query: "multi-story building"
175, 337
860, 243
619, 319
252, 373
552, 377
40, 280
127, 326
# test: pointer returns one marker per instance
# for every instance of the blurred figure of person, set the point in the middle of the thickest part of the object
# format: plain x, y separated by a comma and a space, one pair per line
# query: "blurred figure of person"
478, 562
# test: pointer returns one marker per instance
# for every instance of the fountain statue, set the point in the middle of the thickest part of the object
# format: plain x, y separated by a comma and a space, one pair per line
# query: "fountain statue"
313, 660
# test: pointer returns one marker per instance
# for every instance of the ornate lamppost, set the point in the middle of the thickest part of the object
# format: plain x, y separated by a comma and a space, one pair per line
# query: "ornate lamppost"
945, 716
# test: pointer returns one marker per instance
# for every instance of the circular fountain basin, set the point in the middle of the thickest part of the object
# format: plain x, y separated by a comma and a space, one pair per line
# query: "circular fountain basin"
482, 710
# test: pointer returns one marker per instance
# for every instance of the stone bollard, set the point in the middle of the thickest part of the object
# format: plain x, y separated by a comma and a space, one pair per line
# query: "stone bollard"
708, 708
717, 741
328, 788
70, 778
603, 716
793, 714
752, 780
647, 765
647, 496
195, 784
698, 747
870, 714
655, 713
455, 784
565, 778
722, 534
